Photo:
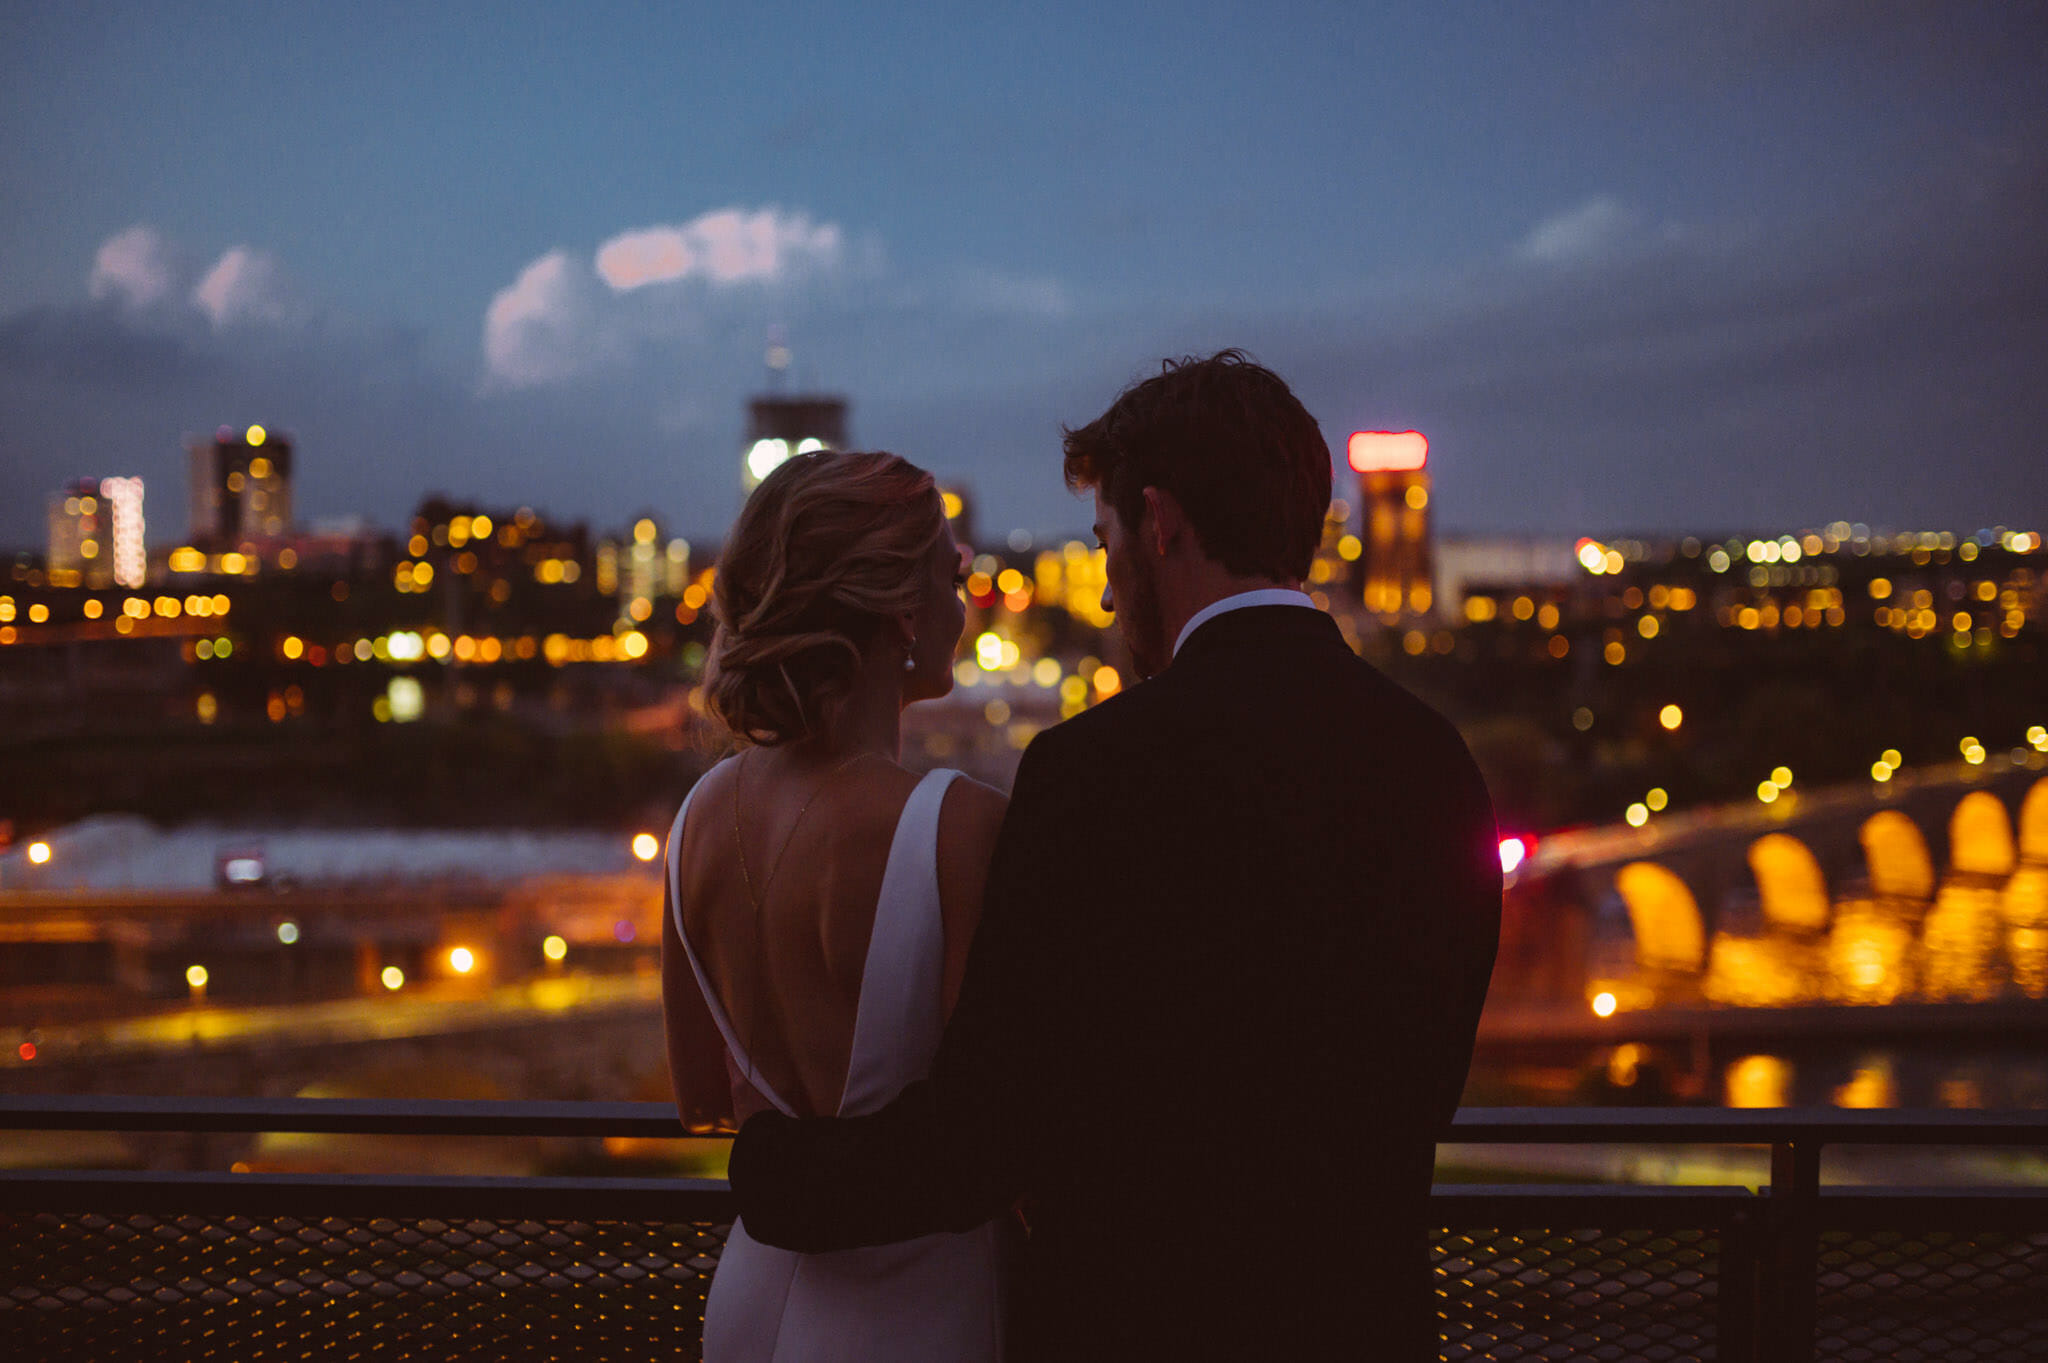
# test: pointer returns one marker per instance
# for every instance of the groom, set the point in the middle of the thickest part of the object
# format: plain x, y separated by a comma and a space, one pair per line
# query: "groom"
1236, 936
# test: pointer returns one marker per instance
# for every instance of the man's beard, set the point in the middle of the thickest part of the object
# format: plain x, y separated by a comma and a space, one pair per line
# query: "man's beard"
1143, 630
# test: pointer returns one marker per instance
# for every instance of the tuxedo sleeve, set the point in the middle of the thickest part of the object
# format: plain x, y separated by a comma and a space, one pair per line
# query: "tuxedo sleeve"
956, 1149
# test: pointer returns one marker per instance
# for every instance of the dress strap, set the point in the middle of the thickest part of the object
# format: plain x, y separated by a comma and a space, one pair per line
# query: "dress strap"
897, 1024
741, 1060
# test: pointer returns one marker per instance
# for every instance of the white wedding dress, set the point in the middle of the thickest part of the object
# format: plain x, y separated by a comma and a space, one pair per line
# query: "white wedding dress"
935, 1298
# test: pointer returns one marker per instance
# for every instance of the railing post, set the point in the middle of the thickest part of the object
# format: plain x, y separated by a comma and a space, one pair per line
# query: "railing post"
1737, 1338
1792, 1285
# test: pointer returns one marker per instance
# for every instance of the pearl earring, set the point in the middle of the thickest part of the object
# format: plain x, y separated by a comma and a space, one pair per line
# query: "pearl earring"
910, 657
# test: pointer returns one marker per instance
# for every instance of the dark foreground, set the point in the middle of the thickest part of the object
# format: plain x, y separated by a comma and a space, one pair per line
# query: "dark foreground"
199, 1264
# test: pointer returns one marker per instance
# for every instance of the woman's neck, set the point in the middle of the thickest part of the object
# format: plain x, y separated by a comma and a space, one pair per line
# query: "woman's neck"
870, 717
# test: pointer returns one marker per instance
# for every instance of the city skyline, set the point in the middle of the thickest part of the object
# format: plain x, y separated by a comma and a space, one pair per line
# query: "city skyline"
1747, 266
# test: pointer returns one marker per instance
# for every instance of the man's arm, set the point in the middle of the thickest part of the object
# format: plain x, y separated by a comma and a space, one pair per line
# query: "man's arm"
953, 1150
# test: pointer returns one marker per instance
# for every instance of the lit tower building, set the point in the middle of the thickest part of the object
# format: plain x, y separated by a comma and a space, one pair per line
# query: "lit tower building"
1395, 556
642, 568
241, 486
779, 427
96, 535
645, 561
675, 567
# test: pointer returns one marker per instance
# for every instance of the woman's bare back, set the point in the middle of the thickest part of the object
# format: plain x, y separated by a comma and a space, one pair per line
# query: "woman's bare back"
780, 909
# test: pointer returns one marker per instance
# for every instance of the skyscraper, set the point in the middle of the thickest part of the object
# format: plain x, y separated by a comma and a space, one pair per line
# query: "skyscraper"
241, 487
778, 427
1394, 488
96, 533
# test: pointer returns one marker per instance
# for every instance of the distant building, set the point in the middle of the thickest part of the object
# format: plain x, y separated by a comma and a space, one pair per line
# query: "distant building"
1503, 563
1395, 560
96, 534
645, 567
779, 427
241, 485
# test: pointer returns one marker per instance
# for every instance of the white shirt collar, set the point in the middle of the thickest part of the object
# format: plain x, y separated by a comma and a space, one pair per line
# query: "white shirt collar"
1264, 596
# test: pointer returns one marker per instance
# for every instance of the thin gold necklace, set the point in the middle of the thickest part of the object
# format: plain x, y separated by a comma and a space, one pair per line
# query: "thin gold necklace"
739, 844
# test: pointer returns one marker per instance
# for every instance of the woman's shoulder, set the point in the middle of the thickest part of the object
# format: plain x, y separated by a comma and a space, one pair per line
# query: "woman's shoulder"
972, 813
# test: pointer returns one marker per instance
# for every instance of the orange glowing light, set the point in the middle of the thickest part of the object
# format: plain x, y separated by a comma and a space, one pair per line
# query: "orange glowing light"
27, 1050
1387, 451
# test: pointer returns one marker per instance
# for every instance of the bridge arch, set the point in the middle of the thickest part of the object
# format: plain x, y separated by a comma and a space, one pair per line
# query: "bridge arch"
1980, 837
1895, 851
1670, 935
1789, 883
2034, 824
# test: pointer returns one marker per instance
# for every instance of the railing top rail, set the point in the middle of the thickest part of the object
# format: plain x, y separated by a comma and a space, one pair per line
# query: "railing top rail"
399, 1196
412, 1117
1481, 1125
1747, 1126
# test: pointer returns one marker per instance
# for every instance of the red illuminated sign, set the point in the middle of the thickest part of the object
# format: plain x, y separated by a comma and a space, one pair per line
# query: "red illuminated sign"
1513, 852
1388, 451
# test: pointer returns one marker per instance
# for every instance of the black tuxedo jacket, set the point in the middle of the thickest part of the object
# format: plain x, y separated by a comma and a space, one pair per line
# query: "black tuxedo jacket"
1237, 933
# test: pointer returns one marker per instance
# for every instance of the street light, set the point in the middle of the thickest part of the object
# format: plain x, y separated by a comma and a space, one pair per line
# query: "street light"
39, 852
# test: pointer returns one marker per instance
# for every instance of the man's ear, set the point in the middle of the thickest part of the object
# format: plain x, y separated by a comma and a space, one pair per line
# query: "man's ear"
1165, 523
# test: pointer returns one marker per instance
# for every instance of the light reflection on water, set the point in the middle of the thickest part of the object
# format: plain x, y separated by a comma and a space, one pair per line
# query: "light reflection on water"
1757, 1081
1815, 1071
1931, 1076
1959, 946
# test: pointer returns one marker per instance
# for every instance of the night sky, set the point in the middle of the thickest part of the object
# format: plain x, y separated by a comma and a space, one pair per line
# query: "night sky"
1631, 266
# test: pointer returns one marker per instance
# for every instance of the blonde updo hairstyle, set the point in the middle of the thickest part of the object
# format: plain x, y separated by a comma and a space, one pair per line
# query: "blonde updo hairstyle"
826, 550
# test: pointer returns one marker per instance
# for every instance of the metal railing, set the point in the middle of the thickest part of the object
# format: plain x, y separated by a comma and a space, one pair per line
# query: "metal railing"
198, 1264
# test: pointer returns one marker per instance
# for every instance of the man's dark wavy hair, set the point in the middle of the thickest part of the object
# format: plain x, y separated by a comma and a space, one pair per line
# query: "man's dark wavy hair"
1235, 447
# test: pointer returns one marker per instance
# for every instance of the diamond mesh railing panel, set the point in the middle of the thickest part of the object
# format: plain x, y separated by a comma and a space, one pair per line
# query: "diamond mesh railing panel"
241, 1288
205, 1266
1578, 1294
1894, 1296
232, 1287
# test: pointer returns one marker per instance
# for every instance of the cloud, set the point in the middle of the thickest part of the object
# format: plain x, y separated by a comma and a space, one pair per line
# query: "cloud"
561, 319
134, 268
724, 246
542, 327
655, 301
94, 352
244, 285
1878, 366
1579, 233
1871, 366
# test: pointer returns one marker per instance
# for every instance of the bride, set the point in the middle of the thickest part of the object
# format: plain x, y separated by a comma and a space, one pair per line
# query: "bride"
821, 898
